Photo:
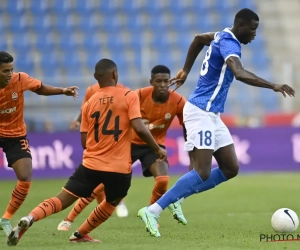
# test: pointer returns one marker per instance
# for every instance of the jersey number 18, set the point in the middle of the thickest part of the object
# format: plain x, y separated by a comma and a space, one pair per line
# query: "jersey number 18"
205, 64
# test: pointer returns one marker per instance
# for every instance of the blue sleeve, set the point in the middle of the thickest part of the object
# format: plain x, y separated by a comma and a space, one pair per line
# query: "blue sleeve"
230, 47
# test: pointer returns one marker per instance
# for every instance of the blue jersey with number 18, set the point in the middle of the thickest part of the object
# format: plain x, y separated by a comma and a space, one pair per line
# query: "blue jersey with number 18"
215, 76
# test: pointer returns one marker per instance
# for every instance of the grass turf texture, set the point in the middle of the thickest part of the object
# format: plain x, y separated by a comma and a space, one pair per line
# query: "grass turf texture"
231, 216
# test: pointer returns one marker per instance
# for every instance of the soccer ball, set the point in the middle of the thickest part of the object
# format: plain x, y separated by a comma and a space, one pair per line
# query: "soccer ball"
285, 220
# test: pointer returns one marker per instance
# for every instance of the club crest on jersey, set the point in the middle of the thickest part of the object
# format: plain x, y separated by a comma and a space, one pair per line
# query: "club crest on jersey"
167, 116
14, 96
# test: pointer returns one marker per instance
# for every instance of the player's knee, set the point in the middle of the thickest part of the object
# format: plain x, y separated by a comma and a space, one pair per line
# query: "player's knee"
203, 173
115, 202
235, 171
24, 176
23, 169
66, 199
231, 171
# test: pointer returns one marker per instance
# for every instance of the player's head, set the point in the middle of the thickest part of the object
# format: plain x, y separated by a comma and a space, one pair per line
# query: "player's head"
160, 76
6, 68
106, 73
245, 24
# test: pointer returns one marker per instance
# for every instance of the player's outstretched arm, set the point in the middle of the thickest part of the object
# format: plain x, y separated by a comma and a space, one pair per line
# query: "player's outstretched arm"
196, 46
235, 64
50, 90
144, 133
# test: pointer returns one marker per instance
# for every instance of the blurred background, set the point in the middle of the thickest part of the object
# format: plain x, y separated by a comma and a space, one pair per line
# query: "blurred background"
59, 42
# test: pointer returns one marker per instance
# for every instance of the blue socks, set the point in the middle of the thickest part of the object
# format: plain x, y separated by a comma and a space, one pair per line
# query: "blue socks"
216, 177
189, 184
184, 187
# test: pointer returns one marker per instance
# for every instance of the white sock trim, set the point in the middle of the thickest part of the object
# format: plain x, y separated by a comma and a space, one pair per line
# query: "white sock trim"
155, 209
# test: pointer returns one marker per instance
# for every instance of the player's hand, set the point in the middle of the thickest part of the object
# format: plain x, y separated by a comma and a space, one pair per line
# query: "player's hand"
74, 125
178, 80
71, 91
284, 89
162, 153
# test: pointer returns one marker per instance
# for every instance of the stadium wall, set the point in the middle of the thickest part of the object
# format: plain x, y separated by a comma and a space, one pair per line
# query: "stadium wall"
56, 155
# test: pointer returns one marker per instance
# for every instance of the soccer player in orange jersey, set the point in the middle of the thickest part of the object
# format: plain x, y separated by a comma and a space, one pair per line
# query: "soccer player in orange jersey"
13, 139
108, 118
121, 210
158, 106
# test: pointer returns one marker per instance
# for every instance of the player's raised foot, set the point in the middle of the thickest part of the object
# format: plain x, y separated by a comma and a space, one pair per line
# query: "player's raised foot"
175, 209
121, 210
64, 225
18, 231
158, 226
77, 238
5, 226
150, 221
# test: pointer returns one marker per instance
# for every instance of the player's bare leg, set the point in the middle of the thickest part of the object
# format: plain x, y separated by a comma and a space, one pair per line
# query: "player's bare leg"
227, 161
48, 207
23, 170
80, 205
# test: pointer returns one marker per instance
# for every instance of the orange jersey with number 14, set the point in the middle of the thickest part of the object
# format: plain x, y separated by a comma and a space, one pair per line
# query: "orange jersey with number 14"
106, 119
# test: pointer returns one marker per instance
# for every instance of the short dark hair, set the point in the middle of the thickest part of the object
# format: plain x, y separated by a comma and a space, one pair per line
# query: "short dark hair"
105, 65
160, 69
246, 15
5, 57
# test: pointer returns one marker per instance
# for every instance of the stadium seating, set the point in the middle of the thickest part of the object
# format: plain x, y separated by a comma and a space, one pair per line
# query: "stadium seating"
60, 42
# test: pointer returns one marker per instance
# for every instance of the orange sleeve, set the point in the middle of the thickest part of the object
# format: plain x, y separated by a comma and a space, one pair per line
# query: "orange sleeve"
139, 93
180, 106
84, 125
133, 105
88, 93
29, 83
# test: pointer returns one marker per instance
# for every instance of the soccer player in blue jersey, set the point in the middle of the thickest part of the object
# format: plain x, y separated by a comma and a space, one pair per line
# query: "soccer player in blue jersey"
207, 135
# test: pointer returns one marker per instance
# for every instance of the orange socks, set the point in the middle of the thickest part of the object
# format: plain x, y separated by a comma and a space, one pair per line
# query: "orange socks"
83, 202
46, 208
99, 215
18, 197
161, 186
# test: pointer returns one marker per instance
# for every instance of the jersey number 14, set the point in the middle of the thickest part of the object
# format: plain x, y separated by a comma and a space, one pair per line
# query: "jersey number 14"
115, 132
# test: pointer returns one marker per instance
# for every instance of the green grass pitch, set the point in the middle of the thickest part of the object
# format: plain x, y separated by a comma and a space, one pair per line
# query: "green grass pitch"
231, 216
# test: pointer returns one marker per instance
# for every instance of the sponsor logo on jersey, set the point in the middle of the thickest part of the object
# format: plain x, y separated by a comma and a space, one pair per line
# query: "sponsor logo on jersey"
152, 126
14, 96
7, 111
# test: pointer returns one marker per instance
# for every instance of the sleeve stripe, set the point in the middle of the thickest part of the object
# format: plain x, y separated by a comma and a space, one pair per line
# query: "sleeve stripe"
19, 77
235, 55
127, 92
179, 101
